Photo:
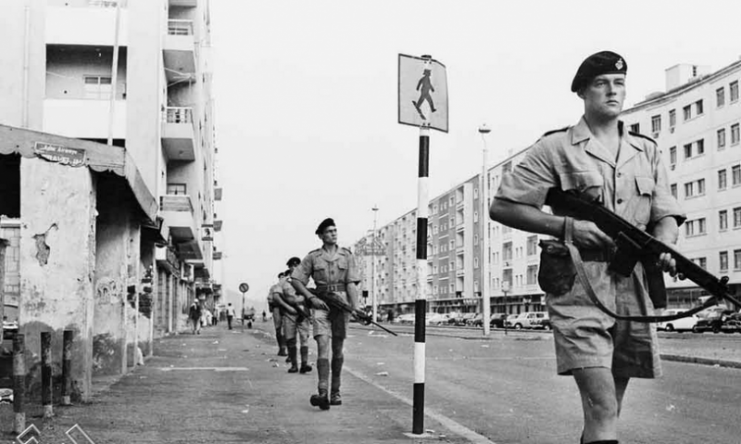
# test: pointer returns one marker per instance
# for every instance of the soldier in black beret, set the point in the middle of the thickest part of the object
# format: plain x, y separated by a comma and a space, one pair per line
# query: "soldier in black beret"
326, 223
598, 158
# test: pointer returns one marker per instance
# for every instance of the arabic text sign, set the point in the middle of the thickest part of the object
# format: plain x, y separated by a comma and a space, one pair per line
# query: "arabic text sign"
423, 92
73, 157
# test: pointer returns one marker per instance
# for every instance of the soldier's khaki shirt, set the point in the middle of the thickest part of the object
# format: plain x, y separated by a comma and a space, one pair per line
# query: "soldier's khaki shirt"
327, 269
634, 186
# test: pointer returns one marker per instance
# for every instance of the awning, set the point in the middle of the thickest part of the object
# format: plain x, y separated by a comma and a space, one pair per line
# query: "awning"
77, 152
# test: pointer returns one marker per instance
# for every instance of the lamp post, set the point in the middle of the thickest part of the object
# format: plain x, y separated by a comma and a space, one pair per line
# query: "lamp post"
373, 266
484, 223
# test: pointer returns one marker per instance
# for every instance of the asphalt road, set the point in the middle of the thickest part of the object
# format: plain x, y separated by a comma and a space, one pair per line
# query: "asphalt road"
505, 388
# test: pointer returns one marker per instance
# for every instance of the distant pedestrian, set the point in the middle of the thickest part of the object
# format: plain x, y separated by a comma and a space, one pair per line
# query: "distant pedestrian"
194, 314
217, 312
264, 316
229, 315
207, 317
336, 277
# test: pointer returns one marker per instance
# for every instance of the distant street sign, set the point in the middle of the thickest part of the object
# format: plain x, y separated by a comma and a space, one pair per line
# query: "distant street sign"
423, 92
244, 288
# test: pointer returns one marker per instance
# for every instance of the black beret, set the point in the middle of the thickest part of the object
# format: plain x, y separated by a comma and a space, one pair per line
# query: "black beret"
293, 261
604, 62
328, 222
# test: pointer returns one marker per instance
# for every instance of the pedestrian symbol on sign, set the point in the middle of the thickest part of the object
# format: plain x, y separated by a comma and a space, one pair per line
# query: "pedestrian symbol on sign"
423, 83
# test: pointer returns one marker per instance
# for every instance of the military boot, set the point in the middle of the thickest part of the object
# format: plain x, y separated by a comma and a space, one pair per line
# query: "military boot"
305, 367
335, 397
292, 356
320, 400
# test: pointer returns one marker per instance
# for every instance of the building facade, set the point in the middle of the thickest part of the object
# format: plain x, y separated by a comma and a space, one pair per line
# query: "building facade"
143, 209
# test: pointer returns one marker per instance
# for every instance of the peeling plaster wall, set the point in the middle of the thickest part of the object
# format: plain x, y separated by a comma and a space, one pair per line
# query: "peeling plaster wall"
57, 260
110, 288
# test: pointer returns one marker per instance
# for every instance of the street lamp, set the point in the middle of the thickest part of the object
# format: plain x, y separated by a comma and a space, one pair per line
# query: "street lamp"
484, 223
373, 266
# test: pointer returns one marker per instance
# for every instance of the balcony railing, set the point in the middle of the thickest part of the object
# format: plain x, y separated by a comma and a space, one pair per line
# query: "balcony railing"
174, 202
180, 27
178, 114
106, 3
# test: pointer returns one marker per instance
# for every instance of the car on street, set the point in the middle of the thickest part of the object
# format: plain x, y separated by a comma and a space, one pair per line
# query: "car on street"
683, 324
464, 319
477, 320
437, 318
497, 320
726, 321
406, 318
528, 319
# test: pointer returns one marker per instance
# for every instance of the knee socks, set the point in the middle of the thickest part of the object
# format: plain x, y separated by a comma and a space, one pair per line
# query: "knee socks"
322, 367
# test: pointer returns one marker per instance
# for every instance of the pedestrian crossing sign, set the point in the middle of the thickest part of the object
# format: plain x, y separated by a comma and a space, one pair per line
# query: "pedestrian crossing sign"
423, 92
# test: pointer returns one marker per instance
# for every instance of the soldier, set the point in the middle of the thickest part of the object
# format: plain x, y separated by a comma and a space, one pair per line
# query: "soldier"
600, 159
277, 311
296, 320
335, 274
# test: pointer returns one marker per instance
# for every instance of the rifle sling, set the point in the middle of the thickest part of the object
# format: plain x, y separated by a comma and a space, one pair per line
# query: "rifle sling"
581, 274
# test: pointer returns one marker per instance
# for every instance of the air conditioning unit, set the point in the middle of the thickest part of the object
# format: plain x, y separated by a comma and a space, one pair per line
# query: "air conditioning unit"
672, 167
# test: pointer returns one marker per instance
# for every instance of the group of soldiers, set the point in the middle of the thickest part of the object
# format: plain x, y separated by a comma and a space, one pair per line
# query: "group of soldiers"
326, 309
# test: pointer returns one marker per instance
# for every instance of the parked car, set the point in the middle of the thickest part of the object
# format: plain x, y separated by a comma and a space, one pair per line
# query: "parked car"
497, 320
528, 319
406, 318
546, 324
437, 318
464, 320
683, 324
726, 321
477, 320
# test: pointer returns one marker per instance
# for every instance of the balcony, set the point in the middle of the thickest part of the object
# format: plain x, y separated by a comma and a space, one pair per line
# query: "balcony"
184, 3
180, 50
178, 134
99, 21
177, 210
84, 118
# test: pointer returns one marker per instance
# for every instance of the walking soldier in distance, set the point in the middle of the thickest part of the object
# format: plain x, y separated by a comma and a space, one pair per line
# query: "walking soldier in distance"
335, 275
596, 159
296, 320
277, 312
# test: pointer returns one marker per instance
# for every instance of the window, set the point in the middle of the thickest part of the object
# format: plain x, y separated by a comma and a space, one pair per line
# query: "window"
723, 260
532, 245
656, 124
722, 220
475, 216
722, 179
635, 128
734, 90
97, 87
672, 118
721, 138
673, 155
673, 188
507, 251
694, 227
476, 239
687, 112
688, 151
475, 262
736, 259
698, 107
696, 188
700, 145
737, 217
532, 274
475, 193
701, 261
720, 97
736, 175
176, 188
734, 134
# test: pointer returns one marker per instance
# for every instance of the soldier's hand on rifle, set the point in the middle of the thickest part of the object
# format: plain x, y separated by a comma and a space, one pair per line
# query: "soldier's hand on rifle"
318, 304
588, 236
291, 310
669, 265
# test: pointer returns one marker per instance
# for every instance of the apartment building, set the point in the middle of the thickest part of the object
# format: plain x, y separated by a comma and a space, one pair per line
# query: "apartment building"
696, 123
117, 250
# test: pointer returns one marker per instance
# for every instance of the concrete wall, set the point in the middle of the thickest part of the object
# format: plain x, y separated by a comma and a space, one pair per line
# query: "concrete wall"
57, 260
68, 66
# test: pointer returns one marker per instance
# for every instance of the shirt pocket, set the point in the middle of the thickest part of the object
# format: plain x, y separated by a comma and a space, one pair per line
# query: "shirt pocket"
645, 190
320, 273
590, 183
343, 264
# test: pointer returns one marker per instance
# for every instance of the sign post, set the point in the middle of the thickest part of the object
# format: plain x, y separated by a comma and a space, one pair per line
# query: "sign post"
243, 288
423, 102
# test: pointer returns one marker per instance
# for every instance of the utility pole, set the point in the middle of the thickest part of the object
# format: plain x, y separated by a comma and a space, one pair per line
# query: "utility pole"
484, 223
373, 266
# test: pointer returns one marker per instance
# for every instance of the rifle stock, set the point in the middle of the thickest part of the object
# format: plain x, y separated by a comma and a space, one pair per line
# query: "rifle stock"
648, 248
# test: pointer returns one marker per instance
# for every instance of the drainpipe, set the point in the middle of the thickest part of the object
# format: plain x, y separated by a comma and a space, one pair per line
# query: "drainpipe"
114, 73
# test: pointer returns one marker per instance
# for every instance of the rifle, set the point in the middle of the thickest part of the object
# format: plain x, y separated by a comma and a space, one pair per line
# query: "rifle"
633, 245
364, 318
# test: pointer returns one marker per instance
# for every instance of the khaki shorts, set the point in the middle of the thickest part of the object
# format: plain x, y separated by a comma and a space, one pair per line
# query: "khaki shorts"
290, 328
586, 337
332, 323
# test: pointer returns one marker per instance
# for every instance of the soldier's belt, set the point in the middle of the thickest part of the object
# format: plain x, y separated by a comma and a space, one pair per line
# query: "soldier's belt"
331, 288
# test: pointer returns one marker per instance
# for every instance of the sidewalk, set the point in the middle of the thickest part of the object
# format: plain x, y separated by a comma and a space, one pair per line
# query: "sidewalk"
229, 387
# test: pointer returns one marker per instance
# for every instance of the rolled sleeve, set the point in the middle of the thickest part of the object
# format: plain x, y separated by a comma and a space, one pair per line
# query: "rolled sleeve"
530, 180
663, 204
304, 270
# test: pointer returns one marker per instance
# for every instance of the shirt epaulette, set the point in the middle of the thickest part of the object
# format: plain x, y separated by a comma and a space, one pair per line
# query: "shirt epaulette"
560, 130
642, 136
317, 251
346, 250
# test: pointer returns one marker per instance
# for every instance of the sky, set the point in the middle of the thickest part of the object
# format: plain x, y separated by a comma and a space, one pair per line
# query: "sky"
306, 101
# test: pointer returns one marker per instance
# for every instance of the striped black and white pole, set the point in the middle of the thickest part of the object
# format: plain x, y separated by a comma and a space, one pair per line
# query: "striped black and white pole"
420, 306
